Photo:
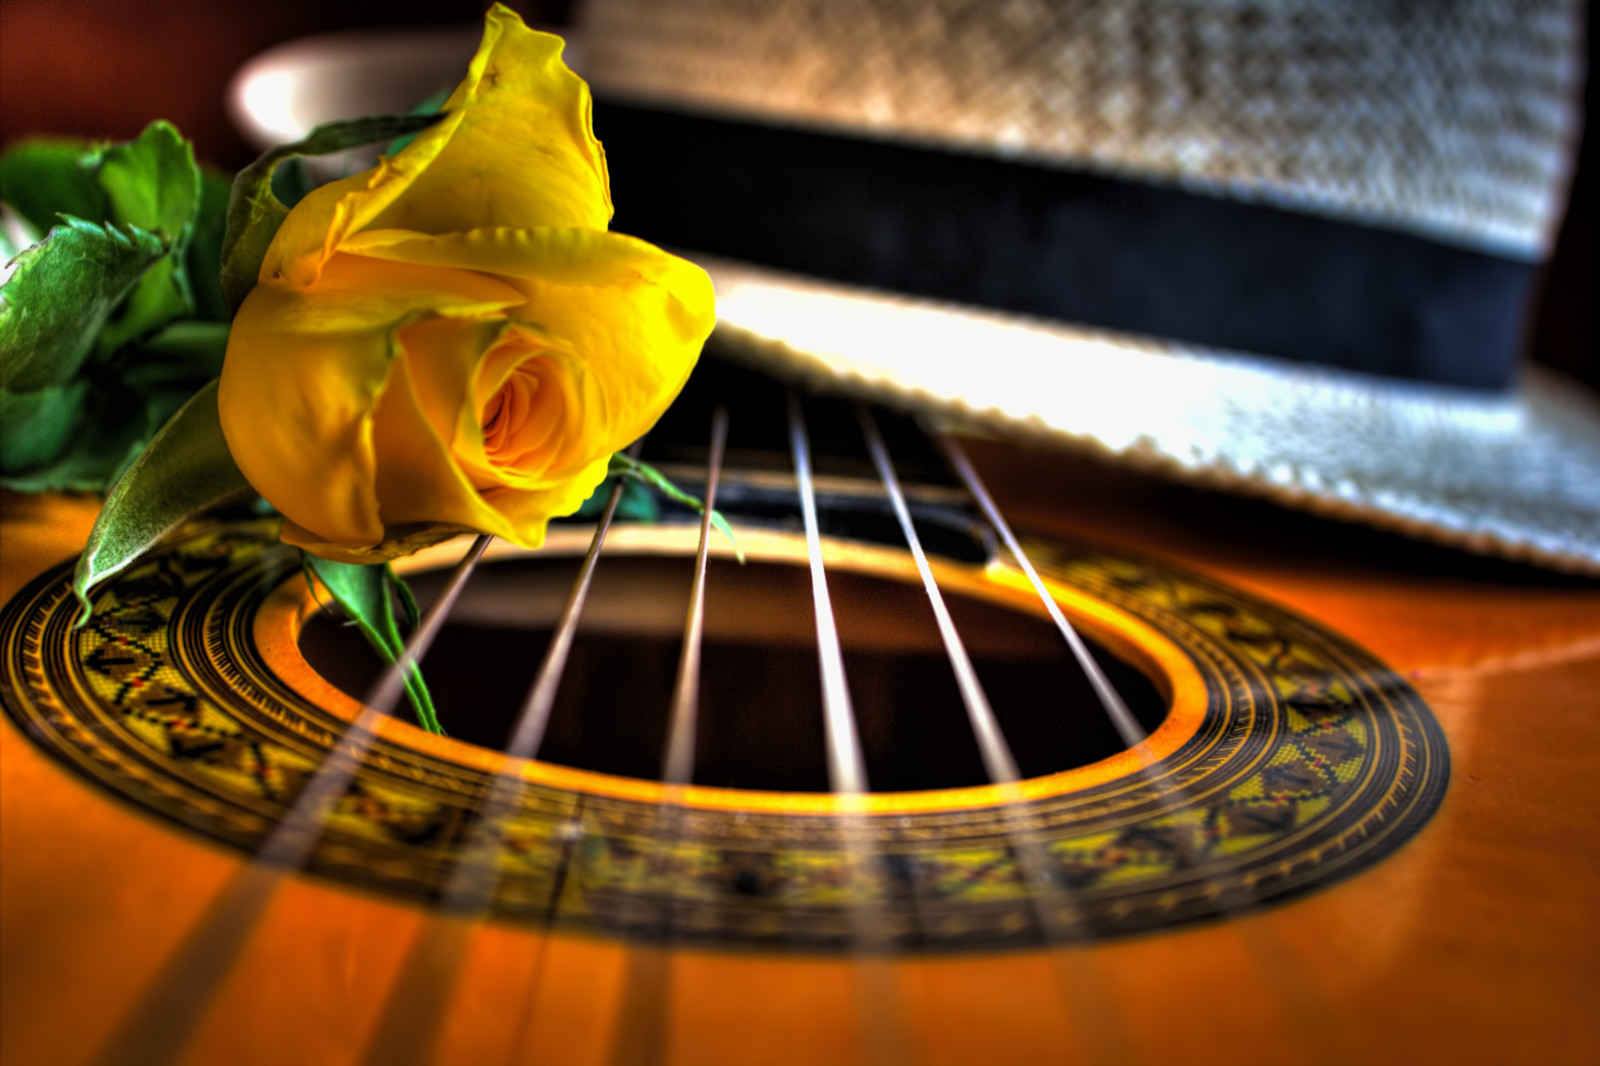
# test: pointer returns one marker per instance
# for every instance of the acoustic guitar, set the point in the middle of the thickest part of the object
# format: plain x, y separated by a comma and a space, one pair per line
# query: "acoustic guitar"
1304, 793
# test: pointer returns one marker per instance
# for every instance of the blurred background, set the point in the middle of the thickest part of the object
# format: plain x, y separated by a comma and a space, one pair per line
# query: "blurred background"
104, 68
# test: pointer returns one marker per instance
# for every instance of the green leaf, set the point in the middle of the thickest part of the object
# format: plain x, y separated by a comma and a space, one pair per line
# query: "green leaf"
369, 596
149, 185
113, 425
157, 408
93, 459
627, 466
159, 296
187, 353
204, 263
638, 504
61, 294
185, 470
153, 184
37, 426
47, 178
127, 404
254, 213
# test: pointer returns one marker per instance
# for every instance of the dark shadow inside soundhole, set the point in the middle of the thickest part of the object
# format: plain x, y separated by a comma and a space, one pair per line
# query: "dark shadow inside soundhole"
760, 722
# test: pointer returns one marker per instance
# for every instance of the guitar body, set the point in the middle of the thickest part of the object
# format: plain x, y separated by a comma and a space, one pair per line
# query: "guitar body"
1468, 935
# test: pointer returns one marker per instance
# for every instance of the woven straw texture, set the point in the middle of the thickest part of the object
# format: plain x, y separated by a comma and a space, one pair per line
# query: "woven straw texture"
1515, 475
1449, 118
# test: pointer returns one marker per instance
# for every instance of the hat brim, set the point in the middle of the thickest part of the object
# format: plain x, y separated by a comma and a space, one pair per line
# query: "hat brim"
1513, 474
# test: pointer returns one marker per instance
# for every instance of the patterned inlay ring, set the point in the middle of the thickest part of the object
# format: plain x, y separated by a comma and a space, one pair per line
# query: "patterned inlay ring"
1311, 760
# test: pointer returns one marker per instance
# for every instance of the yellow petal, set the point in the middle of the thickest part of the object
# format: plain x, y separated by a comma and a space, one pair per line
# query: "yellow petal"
303, 373
457, 372
445, 356
538, 405
635, 315
515, 147
420, 477
529, 512
549, 402
417, 479
328, 214
524, 152
556, 436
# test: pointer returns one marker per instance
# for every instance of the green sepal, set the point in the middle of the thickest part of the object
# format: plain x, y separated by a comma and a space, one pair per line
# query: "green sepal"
407, 601
45, 179
37, 426
185, 470
61, 294
254, 213
624, 465
369, 596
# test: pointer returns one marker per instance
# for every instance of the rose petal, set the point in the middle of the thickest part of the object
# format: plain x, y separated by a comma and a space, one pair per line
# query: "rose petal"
445, 357
537, 410
416, 477
304, 369
419, 480
328, 214
635, 315
527, 511
515, 147
524, 152
552, 401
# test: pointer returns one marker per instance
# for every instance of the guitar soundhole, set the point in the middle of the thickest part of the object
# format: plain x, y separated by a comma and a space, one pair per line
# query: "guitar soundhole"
1288, 756
760, 724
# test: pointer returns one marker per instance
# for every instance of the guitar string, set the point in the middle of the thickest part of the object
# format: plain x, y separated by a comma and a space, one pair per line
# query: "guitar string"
1055, 908
1315, 1022
847, 772
641, 1033
677, 769
290, 845
158, 1027
415, 1009
883, 1032
1128, 727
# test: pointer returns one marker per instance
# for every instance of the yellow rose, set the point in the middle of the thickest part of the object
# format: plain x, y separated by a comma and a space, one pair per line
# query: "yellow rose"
453, 340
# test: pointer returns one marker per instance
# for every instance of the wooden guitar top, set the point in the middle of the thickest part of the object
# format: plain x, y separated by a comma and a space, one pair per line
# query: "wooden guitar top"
1474, 940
